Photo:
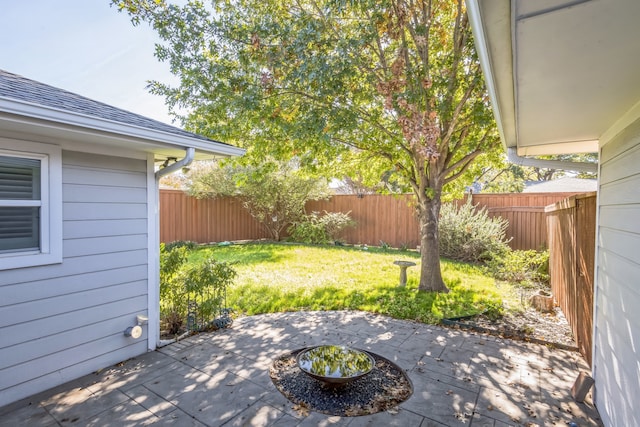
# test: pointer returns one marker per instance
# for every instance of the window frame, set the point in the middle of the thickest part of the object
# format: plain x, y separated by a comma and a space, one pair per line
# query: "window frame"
50, 157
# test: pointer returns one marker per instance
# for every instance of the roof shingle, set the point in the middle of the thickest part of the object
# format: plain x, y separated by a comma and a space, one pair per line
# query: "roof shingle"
16, 87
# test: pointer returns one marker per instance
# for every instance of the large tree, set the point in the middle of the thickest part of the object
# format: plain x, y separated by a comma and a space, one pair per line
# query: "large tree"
394, 84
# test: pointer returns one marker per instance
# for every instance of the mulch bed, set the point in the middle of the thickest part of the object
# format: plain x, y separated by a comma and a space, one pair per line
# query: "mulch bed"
382, 389
529, 325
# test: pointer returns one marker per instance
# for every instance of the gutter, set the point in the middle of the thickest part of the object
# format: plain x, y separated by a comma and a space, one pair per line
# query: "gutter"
186, 161
513, 157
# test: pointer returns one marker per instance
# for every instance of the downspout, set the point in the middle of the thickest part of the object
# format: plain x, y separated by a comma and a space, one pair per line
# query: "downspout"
186, 161
513, 157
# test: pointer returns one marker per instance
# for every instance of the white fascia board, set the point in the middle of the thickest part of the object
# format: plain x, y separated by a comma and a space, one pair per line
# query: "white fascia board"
36, 111
491, 24
482, 49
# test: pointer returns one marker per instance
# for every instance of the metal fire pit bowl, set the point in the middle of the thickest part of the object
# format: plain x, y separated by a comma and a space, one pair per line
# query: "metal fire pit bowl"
335, 364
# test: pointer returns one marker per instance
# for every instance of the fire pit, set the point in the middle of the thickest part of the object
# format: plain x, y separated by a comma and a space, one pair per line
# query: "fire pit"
383, 388
334, 364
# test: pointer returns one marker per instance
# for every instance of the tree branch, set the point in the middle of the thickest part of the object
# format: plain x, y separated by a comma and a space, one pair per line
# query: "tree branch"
451, 126
465, 161
456, 49
450, 152
461, 165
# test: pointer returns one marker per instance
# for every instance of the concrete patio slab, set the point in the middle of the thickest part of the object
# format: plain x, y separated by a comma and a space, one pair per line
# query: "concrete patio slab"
221, 379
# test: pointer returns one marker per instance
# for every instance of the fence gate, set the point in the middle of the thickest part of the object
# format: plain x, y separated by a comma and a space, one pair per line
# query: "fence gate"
571, 236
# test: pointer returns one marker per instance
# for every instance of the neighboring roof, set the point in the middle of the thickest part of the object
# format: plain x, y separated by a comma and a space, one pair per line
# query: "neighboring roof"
560, 73
26, 97
562, 185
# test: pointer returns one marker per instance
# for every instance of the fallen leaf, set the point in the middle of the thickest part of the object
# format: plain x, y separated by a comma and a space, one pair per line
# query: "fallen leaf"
302, 410
460, 416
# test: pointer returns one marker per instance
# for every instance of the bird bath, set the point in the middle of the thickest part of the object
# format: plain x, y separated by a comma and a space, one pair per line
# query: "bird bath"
403, 270
335, 364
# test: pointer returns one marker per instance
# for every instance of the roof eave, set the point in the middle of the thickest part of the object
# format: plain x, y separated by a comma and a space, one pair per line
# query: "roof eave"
492, 32
151, 137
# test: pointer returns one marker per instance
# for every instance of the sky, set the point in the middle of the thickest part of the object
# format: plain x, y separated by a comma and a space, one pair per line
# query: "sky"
85, 47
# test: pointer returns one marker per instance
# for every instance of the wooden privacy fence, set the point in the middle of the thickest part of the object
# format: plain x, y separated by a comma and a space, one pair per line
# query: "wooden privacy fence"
525, 212
205, 220
571, 225
380, 218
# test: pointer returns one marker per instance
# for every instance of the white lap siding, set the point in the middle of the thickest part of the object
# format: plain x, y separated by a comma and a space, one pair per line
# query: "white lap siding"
61, 321
617, 321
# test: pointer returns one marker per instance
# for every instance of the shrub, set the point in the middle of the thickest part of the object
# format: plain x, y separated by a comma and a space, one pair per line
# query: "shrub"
318, 229
188, 244
206, 286
335, 223
469, 234
192, 293
173, 302
308, 230
524, 267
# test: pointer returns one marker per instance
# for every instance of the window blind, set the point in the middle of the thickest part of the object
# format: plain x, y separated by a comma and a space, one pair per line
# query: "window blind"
19, 215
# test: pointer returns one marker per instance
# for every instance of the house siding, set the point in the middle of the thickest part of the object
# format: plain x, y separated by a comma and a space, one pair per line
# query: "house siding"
617, 318
61, 321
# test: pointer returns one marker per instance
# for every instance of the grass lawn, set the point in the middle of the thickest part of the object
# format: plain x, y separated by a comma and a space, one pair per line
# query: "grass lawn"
286, 277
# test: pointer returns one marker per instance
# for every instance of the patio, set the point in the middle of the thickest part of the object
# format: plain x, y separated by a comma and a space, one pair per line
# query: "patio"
221, 378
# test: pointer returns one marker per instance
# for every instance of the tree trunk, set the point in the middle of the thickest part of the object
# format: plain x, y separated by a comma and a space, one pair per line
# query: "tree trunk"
430, 273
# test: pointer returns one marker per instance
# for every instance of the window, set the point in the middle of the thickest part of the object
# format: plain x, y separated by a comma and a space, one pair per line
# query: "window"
30, 204
20, 204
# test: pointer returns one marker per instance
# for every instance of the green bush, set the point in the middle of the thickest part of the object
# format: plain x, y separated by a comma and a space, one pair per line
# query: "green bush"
336, 222
188, 244
469, 234
206, 285
320, 229
191, 292
173, 302
524, 267
308, 230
